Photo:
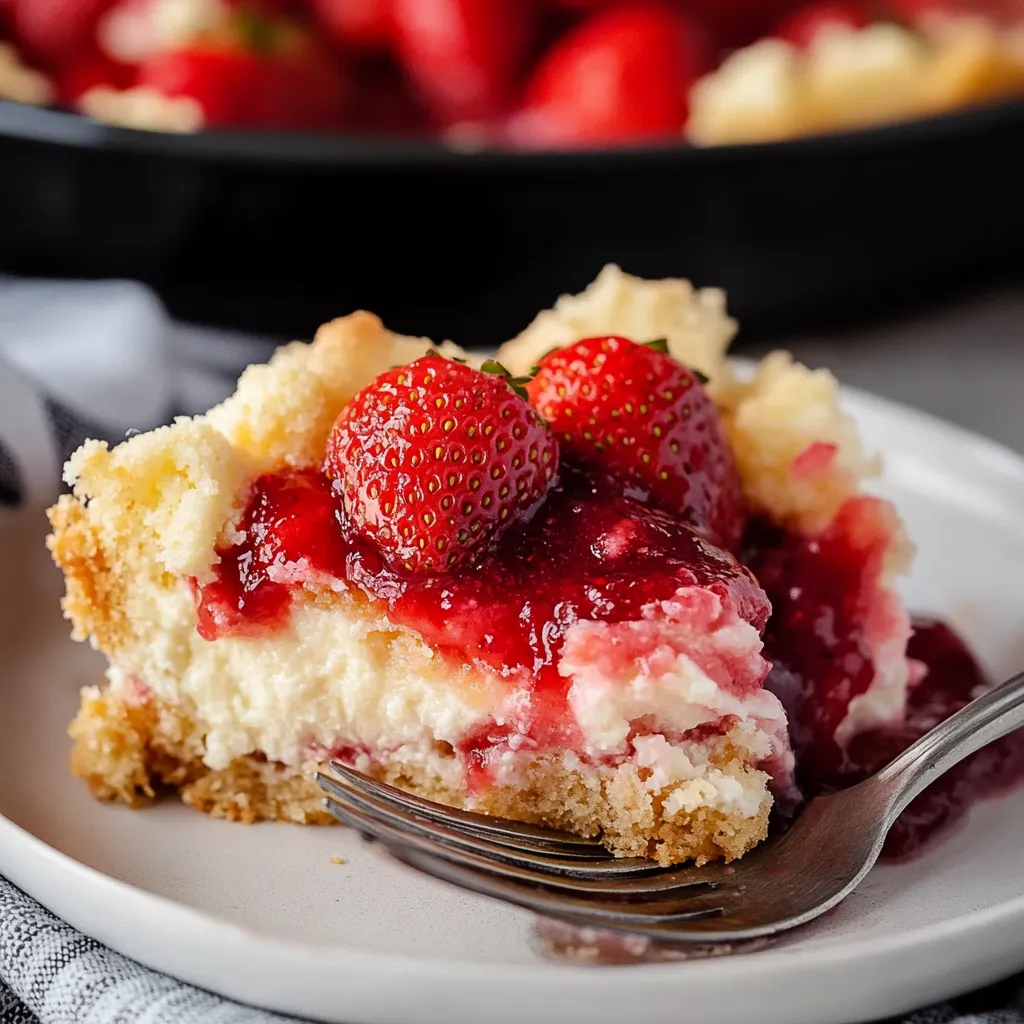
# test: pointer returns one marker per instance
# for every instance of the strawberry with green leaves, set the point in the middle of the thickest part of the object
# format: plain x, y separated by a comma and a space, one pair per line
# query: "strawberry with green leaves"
634, 411
434, 460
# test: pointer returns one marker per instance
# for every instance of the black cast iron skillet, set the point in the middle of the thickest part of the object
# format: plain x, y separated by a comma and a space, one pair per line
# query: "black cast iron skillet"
277, 232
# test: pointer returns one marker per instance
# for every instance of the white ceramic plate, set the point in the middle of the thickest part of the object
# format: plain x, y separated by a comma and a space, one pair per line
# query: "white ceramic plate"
261, 914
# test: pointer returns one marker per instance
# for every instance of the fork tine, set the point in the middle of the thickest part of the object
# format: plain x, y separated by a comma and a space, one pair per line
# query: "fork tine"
664, 886
702, 925
593, 912
497, 879
438, 832
498, 843
494, 827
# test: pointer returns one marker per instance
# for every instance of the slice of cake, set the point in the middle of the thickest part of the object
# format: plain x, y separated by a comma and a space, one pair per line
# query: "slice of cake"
520, 594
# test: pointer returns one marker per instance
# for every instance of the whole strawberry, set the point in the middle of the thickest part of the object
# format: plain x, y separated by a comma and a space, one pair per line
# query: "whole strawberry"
435, 459
636, 412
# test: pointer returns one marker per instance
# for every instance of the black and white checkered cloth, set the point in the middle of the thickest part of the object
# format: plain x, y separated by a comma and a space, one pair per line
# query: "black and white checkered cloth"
97, 359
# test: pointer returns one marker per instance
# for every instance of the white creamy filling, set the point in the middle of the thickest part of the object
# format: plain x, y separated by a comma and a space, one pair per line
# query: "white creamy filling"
683, 769
659, 684
330, 678
325, 675
679, 698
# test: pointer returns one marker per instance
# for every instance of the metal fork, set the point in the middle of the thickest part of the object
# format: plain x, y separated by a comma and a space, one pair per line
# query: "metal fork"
784, 883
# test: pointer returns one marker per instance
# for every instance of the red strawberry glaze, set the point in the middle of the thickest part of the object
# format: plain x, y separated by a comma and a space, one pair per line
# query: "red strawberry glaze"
826, 602
291, 533
590, 553
814, 459
593, 554
953, 678
828, 611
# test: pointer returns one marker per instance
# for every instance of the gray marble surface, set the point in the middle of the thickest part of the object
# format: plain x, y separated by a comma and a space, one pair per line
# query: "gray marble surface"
963, 362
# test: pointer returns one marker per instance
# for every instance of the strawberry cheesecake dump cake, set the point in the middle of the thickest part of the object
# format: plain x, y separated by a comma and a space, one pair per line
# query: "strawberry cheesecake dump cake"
603, 582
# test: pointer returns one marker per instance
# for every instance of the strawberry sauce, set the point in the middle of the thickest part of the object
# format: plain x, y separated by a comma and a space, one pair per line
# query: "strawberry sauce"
823, 591
590, 553
952, 680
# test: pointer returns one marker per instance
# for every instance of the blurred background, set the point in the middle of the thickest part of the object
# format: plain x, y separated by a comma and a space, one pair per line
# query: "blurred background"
454, 165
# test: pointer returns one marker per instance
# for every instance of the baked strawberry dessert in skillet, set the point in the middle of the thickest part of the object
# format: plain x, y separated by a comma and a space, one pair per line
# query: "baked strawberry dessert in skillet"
551, 586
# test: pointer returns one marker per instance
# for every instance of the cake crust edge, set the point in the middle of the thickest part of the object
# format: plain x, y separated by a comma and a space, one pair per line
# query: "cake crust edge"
131, 753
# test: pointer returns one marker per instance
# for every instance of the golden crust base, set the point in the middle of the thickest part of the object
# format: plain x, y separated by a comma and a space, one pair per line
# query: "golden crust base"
129, 753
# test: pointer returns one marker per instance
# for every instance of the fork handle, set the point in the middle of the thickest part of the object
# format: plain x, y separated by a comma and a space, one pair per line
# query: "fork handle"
984, 720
